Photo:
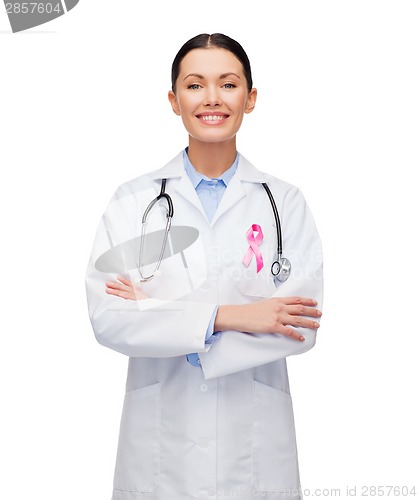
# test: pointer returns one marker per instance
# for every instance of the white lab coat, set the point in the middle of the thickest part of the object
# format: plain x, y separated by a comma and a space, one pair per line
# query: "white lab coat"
225, 429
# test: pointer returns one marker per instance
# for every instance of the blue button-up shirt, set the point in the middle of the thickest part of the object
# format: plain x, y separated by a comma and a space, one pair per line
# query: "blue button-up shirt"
210, 192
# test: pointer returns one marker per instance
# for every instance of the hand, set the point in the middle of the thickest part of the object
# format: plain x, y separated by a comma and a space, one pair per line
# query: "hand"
270, 316
125, 289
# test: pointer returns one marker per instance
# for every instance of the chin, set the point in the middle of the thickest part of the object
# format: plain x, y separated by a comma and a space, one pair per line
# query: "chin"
214, 137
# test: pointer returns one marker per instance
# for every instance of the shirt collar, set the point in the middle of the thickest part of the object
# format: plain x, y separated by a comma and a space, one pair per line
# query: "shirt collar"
197, 177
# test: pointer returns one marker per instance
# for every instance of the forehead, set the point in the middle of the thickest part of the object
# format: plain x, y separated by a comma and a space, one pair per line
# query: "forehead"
213, 61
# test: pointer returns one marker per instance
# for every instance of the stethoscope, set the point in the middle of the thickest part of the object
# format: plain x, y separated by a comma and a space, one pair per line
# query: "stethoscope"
280, 268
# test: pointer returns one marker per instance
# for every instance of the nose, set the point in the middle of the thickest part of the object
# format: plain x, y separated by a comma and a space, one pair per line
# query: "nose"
212, 97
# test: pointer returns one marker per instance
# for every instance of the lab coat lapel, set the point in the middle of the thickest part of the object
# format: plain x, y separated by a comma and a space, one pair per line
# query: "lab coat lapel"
236, 190
233, 193
184, 187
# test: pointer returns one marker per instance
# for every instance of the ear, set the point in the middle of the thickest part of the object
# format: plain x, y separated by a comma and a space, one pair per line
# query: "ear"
174, 103
251, 100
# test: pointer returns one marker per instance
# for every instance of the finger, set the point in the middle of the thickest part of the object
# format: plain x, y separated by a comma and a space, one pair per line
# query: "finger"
304, 301
118, 286
115, 286
289, 332
125, 281
301, 310
302, 322
129, 286
112, 291
120, 293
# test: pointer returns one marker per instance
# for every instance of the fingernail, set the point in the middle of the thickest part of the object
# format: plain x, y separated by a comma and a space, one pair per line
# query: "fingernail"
316, 325
301, 338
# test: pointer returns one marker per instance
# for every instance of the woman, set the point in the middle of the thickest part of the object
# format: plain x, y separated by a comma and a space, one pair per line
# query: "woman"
207, 409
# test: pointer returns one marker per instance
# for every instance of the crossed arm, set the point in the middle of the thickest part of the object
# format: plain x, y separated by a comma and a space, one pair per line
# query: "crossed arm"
274, 315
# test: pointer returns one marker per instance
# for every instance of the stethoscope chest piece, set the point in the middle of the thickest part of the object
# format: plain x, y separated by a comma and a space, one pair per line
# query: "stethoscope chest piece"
281, 269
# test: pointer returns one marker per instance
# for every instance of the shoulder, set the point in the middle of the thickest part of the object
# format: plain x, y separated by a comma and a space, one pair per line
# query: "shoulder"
278, 186
147, 180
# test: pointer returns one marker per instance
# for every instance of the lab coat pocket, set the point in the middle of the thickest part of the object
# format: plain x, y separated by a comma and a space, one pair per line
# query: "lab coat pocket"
138, 457
274, 453
249, 282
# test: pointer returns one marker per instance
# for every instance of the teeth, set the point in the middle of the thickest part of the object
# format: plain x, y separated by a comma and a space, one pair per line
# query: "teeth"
210, 118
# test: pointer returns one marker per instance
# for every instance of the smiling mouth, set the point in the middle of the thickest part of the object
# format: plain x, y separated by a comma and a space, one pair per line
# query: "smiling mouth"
212, 119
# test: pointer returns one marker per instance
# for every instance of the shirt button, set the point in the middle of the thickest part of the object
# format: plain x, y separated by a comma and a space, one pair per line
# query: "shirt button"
203, 443
204, 387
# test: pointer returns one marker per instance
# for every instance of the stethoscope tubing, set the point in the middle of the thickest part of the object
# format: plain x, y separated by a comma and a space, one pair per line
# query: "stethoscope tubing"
276, 216
162, 194
281, 265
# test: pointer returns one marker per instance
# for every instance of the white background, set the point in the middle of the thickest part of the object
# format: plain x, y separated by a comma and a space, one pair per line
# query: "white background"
83, 108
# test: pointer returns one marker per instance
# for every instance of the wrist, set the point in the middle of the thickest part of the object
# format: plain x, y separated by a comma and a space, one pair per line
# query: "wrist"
227, 318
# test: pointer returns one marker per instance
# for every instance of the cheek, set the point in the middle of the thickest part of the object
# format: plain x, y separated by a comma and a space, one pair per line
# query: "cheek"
188, 103
236, 102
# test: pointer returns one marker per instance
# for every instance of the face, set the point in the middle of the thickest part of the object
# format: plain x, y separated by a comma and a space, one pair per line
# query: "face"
211, 94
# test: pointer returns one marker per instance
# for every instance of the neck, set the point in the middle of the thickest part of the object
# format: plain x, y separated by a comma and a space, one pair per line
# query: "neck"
212, 158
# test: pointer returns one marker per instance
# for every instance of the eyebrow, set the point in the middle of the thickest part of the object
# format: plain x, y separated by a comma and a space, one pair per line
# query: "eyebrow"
221, 77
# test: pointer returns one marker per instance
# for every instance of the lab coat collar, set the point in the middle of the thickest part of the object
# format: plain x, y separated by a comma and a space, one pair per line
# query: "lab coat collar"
235, 191
175, 168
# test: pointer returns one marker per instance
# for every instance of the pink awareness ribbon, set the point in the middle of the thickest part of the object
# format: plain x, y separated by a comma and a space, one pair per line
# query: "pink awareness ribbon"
254, 247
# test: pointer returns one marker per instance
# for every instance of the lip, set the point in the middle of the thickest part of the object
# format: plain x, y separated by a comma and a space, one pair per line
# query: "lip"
210, 121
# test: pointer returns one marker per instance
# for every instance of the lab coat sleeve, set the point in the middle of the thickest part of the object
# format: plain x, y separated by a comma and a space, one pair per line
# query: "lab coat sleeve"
211, 336
141, 328
235, 351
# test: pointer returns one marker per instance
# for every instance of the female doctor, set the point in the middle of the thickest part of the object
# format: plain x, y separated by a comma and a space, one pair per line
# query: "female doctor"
207, 327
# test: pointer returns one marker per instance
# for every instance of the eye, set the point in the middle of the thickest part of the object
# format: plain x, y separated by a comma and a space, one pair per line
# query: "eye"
193, 86
229, 86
